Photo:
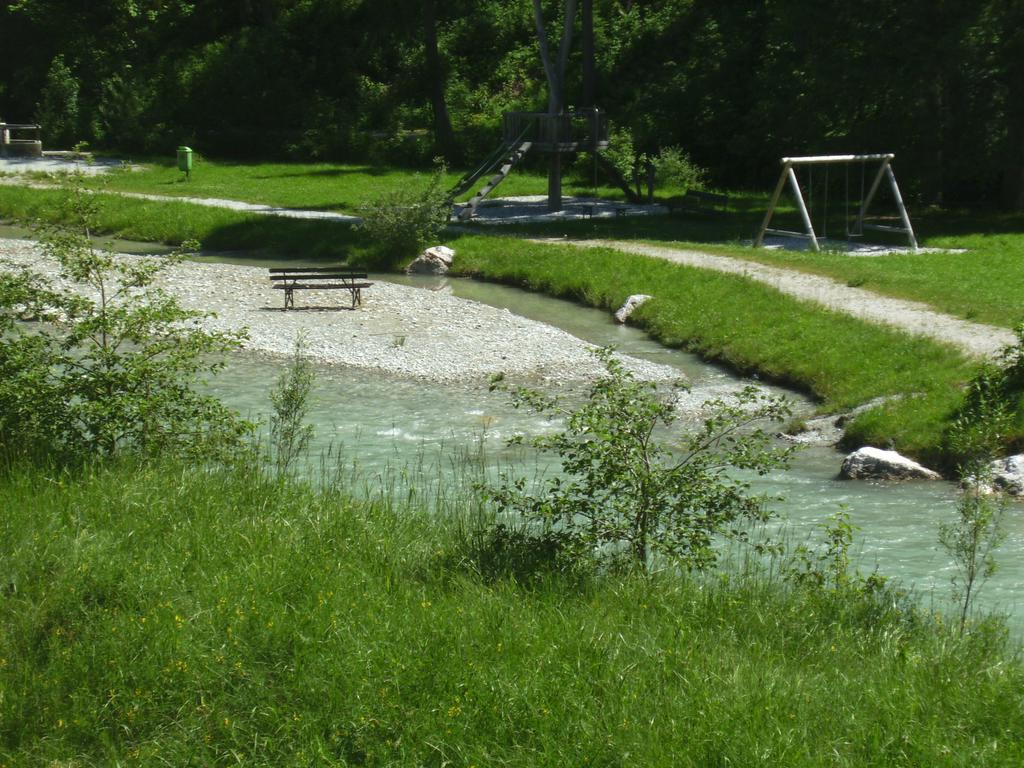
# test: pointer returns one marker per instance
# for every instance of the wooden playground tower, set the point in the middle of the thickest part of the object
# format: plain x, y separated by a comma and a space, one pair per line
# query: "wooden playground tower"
550, 134
556, 132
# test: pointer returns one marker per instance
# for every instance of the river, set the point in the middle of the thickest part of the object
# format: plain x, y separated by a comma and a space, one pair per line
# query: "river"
387, 425
400, 431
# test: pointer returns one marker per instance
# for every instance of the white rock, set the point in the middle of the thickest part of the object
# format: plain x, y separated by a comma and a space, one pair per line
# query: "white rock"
630, 305
875, 464
1008, 475
433, 261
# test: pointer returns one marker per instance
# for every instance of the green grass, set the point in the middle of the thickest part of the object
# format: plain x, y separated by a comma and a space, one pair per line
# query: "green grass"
752, 328
163, 615
172, 223
984, 284
314, 186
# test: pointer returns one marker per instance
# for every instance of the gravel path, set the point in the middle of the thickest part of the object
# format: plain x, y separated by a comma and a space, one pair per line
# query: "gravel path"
399, 330
975, 339
238, 205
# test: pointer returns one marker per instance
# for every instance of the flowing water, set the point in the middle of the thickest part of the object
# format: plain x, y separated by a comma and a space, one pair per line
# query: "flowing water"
390, 427
384, 422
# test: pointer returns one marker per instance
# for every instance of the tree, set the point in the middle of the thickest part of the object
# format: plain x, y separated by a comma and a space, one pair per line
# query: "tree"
110, 362
57, 110
554, 70
443, 133
621, 492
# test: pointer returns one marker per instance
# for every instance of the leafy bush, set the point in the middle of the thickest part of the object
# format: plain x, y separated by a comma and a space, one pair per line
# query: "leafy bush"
626, 495
290, 435
400, 223
57, 110
675, 169
110, 361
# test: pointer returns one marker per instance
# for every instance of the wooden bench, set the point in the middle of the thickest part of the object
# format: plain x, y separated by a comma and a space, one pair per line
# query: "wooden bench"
698, 202
291, 279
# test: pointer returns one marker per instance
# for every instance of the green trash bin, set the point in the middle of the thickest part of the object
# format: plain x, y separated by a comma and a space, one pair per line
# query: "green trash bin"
185, 161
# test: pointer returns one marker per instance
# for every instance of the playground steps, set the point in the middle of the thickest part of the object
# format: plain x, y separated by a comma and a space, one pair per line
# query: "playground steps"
515, 154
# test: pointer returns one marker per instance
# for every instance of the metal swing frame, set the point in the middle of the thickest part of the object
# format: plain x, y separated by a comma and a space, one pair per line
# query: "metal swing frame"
789, 174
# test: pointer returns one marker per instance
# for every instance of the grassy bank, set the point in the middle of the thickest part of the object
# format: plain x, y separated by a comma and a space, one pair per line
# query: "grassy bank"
983, 282
173, 223
159, 614
752, 328
319, 186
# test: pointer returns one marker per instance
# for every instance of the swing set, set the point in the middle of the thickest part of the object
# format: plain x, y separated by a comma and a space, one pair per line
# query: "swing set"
859, 225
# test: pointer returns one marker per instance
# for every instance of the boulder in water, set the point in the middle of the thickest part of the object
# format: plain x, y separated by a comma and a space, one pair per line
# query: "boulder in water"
1008, 475
875, 464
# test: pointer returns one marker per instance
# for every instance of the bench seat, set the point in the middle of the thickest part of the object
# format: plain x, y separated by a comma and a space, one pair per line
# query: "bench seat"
291, 279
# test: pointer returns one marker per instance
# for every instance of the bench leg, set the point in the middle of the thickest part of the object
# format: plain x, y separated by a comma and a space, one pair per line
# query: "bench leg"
289, 298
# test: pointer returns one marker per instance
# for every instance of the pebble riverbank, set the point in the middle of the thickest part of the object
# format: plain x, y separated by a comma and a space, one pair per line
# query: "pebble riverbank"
399, 330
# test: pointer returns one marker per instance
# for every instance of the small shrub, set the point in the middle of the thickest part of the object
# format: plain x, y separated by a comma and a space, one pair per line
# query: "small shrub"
526, 556
675, 168
112, 361
827, 566
400, 223
624, 495
977, 436
290, 435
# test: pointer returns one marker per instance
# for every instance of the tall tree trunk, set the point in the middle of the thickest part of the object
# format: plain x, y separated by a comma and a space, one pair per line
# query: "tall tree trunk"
1013, 63
1013, 183
443, 133
589, 80
555, 72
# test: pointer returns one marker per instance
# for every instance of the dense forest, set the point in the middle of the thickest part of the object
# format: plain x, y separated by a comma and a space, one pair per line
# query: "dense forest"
736, 85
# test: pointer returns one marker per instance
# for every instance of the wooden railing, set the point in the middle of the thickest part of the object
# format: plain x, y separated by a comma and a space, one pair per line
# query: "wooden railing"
565, 132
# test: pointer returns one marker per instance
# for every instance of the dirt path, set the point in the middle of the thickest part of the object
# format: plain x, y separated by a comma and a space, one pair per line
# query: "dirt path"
238, 205
975, 339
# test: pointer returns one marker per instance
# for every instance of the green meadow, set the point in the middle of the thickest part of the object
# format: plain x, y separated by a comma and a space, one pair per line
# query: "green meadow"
162, 614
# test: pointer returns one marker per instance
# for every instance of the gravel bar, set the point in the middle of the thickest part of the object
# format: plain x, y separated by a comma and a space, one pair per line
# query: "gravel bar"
399, 330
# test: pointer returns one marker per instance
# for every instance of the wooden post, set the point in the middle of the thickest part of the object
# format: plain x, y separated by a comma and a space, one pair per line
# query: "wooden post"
771, 206
899, 204
555, 182
803, 209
